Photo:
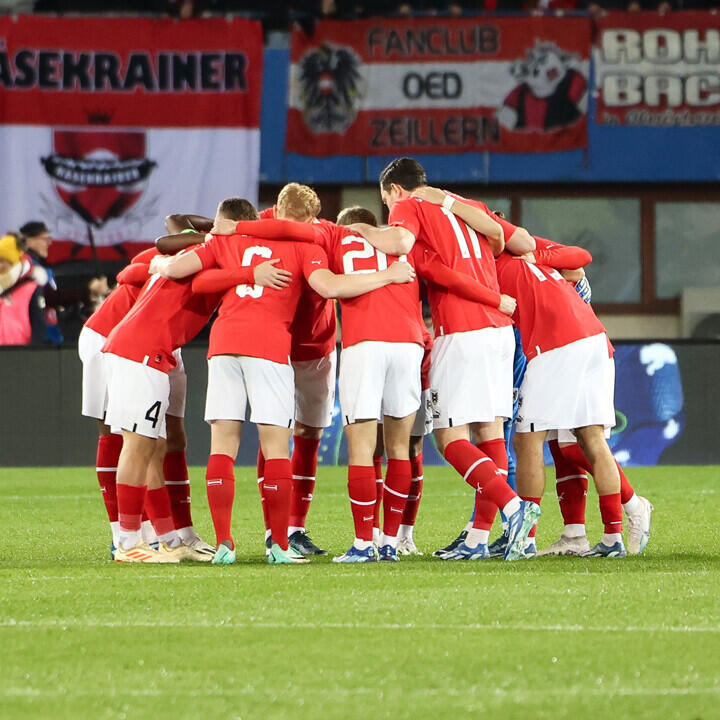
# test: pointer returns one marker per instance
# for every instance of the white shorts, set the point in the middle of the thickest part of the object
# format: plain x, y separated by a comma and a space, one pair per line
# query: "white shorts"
94, 376
178, 387
238, 383
138, 397
569, 387
315, 390
471, 376
378, 379
424, 418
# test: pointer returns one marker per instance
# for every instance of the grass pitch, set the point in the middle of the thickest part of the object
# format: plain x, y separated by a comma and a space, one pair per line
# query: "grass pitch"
81, 637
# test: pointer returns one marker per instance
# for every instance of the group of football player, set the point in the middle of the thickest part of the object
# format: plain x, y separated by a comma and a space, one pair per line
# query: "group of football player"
509, 310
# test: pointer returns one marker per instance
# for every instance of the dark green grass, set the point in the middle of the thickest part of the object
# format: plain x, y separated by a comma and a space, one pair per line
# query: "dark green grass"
81, 637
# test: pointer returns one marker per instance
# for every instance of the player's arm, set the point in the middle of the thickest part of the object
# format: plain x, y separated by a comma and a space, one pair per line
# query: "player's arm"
561, 257
475, 217
176, 266
134, 274
434, 271
271, 229
391, 240
329, 285
175, 224
218, 280
175, 242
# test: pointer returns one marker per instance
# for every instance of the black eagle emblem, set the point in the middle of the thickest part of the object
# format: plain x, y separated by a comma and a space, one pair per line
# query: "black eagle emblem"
331, 88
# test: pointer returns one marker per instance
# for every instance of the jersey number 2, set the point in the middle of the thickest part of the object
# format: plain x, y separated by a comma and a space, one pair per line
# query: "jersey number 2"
252, 291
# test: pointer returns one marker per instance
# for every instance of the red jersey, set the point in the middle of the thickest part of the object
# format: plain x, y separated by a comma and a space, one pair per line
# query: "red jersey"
254, 320
390, 313
166, 316
549, 312
460, 248
117, 305
314, 330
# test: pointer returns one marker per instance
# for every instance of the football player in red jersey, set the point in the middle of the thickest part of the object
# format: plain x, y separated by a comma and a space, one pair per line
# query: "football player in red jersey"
313, 357
569, 380
140, 353
249, 354
471, 363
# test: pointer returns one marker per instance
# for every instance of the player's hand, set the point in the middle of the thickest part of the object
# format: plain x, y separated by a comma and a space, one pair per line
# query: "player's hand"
224, 226
401, 272
267, 275
527, 257
430, 194
507, 304
158, 265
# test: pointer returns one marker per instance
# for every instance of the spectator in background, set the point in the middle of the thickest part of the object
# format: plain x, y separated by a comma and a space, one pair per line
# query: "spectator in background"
22, 305
38, 239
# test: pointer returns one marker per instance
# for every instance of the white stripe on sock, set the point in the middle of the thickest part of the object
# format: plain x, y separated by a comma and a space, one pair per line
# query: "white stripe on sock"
357, 502
394, 492
103, 469
303, 477
572, 477
473, 466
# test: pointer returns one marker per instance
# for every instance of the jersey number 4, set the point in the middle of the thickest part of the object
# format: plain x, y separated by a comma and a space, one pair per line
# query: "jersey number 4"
252, 291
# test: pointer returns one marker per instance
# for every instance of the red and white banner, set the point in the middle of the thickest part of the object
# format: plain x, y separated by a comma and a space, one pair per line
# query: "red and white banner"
431, 85
658, 70
109, 125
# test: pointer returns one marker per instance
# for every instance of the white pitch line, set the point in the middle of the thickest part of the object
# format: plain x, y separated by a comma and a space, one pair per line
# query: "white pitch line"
484, 692
502, 627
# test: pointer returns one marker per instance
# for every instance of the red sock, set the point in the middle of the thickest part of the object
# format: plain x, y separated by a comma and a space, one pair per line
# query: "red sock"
177, 483
276, 491
108, 452
536, 500
130, 501
157, 502
416, 485
377, 465
479, 471
485, 509
261, 477
362, 491
397, 486
575, 453
304, 468
611, 512
220, 481
571, 484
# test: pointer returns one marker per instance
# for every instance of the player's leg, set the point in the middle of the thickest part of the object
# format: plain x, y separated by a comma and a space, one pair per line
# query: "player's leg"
361, 383
138, 398
270, 391
406, 540
361, 439
225, 436
637, 508
225, 408
571, 485
378, 456
530, 473
276, 489
607, 482
398, 479
314, 401
94, 405
177, 484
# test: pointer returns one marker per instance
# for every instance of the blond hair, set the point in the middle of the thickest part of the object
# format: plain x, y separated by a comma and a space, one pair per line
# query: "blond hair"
298, 202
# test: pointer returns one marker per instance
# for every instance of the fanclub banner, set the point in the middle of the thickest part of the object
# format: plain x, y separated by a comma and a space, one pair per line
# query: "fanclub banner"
657, 70
108, 125
395, 86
